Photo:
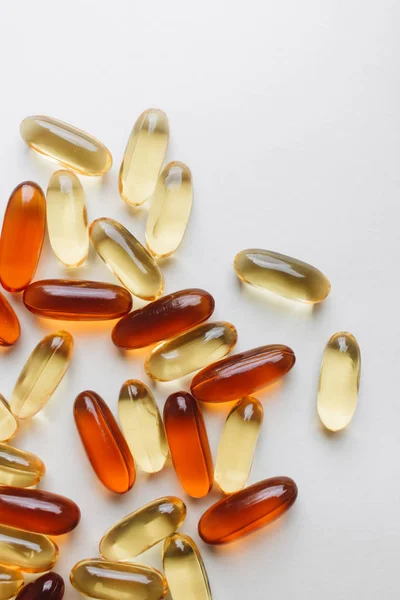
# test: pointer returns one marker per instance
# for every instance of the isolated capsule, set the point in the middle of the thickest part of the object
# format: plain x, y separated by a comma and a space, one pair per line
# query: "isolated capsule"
27, 551
184, 569
8, 423
11, 581
49, 586
19, 468
10, 329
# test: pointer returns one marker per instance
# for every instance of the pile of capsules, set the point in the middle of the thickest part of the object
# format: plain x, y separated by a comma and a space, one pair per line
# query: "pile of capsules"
182, 341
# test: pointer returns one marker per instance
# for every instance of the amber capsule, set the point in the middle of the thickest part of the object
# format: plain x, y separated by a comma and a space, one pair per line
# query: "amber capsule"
27, 551
11, 581
22, 236
19, 468
8, 423
188, 444
184, 569
10, 329
47, 587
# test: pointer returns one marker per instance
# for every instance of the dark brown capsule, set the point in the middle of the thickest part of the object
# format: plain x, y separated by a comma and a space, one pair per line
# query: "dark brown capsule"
48, 587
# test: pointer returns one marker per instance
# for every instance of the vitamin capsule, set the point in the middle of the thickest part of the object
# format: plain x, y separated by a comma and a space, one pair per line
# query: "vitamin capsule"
142, 426
242, 374
188, 444
77, 300
104, 443
165, 318
11, 581
69, 145
67, 219
143, 528
339, 381
27, 551
41, 374
282, 275
8, 423
10, 329
19, 468
22, 236
243, 512
47, 587
184, 569
144, 156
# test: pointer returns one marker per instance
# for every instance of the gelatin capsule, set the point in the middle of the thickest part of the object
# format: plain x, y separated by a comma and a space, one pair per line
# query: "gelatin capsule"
184, 569
11, 581
282, 275
27, 551
47, 587
104, 443
41, 374
67, 219
143, 528
188, 444
8, 423
243, 512
142, 426
19, 468
22, 236
69, 145
144, 156
242, 374
10, 329
77, 300
165, 318
339, 381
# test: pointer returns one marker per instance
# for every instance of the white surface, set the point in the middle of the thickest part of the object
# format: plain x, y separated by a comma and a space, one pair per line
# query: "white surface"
287, 114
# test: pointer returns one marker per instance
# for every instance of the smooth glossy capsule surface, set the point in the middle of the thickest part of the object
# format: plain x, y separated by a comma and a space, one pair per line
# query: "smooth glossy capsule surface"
11, 581
69, 145
27, 551
19, 468
10, 329
8, 423
47, 587
184, 569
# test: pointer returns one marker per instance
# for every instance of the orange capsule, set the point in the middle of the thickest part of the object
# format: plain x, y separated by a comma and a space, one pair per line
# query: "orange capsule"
188, 444
22, 236
10, 329
104, 443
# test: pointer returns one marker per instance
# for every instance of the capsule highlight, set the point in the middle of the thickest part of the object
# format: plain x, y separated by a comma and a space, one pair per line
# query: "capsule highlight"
11, 581
8, 423
26, 551
10, 329
19, 468
184, 569
47, 587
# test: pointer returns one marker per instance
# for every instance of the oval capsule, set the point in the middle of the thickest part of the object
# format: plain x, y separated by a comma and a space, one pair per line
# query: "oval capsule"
8, 423
10, 329
11, 581
184, 569
47, 587
27, 551
19, 468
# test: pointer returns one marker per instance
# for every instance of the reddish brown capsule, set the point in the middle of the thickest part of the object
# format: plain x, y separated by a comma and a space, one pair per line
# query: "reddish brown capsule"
10, 329
47, 587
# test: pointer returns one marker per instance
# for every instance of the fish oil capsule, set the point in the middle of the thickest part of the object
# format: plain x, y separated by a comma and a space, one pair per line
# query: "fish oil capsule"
22, 236
19, 468
27, 551
67, 219
242, 374
339, 381
188, 444
69, 145
184, 569
144, 156
142, 426
104, 443
10, 329
41, 374
47, 587
143, 528
8, 423
11, 581
243, 512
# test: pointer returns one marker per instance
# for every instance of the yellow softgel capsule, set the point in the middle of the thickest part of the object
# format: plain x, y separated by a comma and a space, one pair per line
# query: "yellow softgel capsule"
11, 581
19, 468
237, 445
69, 145
142, 426
170, 209
184, 569
29, 552
8, 423
339, 381
144, 156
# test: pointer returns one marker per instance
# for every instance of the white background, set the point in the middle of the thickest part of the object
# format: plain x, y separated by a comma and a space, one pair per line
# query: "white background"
288, 115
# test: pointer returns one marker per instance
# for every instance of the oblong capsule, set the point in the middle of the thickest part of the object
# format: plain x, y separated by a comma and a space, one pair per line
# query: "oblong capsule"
104, 443
22, 236
77, 300
69, 145
8, 423
234, 460
67, 218
144, 156
10, 329
19, 468
243, 512
242, 374
143, 528
41, 374
49, 586
184, 569
27, 551
282, 275
188, 444
339, 381
11, 581
142, 426
165, 318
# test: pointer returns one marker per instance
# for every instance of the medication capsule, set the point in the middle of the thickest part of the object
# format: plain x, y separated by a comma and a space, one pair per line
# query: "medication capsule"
19, 468
69, 145
242, 374
41, 374
10, 329
22, 236
104, 443
11, 581
8, 423
188, 444
184, 569
243, 512
143, 528
47, 587
77, 300
27, 551
339, 381
144, 156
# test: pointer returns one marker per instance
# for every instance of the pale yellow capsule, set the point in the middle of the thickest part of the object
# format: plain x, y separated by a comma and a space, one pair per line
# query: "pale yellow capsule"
339, 381
144, 156
184, 569
29, 552
41, 374
67, 219
69, 145
19, 468
8, 423
11, 581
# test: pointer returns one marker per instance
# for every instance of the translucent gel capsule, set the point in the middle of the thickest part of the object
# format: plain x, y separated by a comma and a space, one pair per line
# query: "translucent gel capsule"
143, 528
69, 145
67, 219
142, 426
11, 581
47, 587
243, 512
184, 569
27, 551
10, 329
41, 374
8, 423
19, 468
144, 156
339, 381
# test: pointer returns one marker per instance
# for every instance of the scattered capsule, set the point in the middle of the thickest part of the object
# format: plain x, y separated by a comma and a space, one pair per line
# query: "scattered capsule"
11, 581
8, 423
10, 329
69, 145
19, 468
184, 569
27, 551
243, 512
339, 381
47, 587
